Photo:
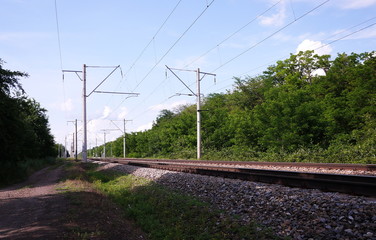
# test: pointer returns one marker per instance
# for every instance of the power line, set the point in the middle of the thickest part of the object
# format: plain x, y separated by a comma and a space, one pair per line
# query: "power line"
331, 42
181, 36
60, 57
233, 34
152, 39
173, 45
349, 28
58, 36
314, 49
347, 35
271, 35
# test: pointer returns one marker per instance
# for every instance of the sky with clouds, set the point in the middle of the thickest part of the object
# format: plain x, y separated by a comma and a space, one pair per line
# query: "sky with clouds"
231, 38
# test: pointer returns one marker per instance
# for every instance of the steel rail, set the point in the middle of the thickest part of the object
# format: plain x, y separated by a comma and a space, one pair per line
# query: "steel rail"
349, 184
339, 166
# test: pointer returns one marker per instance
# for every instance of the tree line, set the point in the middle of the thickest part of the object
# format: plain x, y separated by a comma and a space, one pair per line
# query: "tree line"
25, 138
304, 108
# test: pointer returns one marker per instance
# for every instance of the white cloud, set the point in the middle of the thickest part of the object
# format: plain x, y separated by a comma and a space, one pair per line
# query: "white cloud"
356, 4
276, 19
123, 113
67, 106
317, 46
106, 112
169, 106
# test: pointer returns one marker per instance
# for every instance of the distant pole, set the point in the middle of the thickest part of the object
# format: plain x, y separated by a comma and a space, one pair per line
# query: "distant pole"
65, 147
73, 150
75, 124
124, 136
96, 146
111, 150
84, 145
198, 115
104, 146
124, 141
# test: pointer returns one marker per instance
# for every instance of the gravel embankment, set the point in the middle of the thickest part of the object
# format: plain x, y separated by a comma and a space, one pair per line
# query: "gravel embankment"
298, 213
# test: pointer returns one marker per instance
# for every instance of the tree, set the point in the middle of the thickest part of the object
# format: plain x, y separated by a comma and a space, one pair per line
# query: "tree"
305, 103
25, 133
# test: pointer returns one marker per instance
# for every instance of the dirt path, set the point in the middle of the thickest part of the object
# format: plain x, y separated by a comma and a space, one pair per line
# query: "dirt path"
31, 210
35, 209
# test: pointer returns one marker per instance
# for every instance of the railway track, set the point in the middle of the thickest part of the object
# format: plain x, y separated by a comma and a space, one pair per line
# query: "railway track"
350, 184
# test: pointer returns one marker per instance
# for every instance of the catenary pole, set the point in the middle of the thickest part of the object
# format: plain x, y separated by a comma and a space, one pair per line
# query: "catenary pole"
124, 141
85, 95
198, 99
65, 147
198, 115
75, 125
72, 146
124, 133
104, 146
84, 145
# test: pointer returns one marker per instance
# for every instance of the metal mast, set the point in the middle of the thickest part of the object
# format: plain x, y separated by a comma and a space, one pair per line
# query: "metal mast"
84, 96
198, 100
84, 144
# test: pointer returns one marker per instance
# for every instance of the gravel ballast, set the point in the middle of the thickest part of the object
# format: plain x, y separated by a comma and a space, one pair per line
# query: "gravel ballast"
298, 213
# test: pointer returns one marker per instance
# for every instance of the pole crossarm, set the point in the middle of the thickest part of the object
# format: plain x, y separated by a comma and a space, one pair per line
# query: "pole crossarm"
72, 71
108, 130
182, 94
113, 122
124, 93
102, 66
104, 78
171, 70
205, 73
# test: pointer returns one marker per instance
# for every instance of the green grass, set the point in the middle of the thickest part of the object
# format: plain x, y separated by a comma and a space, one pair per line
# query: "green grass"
165, 214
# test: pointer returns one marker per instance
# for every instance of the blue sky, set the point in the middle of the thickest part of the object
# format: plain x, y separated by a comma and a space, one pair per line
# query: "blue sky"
243, 37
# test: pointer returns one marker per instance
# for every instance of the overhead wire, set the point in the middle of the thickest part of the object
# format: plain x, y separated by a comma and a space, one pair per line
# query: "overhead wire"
271, 35
168, 51
279, 30
263, 40
323, 45
174, 44
153, 38
296, 19
221, 42
60, 57
232, 34
347, 35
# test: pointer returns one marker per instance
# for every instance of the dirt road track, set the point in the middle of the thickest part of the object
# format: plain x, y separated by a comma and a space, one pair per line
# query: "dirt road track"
36, 210
31, 210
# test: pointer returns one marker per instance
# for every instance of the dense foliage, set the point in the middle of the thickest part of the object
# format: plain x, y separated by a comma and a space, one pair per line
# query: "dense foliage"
25, 133
305, 108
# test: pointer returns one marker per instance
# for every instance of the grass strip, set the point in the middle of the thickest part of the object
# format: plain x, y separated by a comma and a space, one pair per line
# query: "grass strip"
90, 214
165, 214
